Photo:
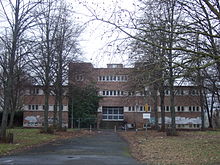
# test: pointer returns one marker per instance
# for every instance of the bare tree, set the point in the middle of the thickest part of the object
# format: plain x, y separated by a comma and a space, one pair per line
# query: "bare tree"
19, 20
66, 51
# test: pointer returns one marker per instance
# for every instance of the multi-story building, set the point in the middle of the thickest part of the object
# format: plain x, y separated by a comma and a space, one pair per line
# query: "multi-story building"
34, 101
121, 103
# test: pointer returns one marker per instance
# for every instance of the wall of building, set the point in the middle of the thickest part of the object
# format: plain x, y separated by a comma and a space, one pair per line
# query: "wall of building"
118, 89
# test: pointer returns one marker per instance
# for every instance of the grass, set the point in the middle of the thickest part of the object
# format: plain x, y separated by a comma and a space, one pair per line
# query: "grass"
25, 138
194, 148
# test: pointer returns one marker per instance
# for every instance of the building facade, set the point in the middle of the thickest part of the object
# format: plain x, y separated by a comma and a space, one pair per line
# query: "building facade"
33, 108
121, 103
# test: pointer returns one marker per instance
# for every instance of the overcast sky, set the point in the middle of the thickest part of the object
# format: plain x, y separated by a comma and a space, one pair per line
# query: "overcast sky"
95, 45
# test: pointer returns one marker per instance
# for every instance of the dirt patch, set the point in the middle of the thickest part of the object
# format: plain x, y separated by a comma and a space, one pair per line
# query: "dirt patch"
192, 148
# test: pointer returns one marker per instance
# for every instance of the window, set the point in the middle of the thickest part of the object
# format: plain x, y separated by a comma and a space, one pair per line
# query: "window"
115, 93
167, 108
34, 91
103, 93
133, 108
33, 107
182, 108
178, 108
190, 108
118, 93
141, 108
112, 113
167, 92
197, 109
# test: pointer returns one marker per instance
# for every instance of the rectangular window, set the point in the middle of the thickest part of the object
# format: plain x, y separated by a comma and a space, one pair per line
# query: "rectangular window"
182, 108
103, 93
133, 108
112, 113
197, 109
118, 93
29, 107
115, 93
190, 108
178, 108
141, 108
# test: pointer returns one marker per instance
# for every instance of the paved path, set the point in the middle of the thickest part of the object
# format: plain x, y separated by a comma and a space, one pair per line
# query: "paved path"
105, 148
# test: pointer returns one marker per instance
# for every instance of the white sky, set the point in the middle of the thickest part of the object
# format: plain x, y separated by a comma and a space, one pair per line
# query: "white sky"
94, 44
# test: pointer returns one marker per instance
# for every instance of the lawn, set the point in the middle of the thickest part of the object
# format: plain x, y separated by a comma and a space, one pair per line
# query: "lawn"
194, 148
26, 138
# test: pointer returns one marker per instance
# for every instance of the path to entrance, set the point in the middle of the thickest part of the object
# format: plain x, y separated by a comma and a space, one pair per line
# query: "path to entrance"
105, 148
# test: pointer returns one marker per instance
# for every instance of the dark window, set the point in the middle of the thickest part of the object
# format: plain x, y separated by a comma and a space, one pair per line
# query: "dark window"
182, 108
141, 108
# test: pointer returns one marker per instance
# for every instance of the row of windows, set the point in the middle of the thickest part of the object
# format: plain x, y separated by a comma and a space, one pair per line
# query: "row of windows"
112, 78
181, 92
186, 125
127, 93
112, 93
138, 108
39, 91
182, 108
41, 107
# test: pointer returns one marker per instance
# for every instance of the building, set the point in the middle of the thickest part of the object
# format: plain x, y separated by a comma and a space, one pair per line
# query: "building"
122, 103
34, 108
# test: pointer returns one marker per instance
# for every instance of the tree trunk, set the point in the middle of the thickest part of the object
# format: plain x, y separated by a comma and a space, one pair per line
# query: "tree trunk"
162, 108
46, 110
55, 112
11, 122
155, 108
